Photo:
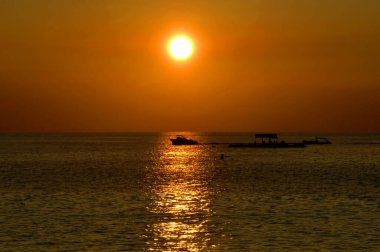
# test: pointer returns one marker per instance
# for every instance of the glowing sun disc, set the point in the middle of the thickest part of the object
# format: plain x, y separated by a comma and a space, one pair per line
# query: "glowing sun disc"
180, 47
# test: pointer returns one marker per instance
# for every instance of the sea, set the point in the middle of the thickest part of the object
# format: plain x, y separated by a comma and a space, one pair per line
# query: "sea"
137, 192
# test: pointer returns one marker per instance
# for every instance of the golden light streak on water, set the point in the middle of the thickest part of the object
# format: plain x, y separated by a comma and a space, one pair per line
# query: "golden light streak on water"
181, 200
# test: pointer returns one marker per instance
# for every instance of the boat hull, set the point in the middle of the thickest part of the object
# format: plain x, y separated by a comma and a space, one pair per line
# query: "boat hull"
183, 142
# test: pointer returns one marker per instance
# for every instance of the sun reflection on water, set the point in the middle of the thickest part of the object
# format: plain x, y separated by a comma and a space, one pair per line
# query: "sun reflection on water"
181, 198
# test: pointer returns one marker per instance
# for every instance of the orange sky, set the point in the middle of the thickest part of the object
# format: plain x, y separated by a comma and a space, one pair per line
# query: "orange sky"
274, 65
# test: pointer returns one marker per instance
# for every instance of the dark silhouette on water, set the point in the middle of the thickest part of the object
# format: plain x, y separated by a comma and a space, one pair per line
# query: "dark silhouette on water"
267, 141
317, 140
181, 140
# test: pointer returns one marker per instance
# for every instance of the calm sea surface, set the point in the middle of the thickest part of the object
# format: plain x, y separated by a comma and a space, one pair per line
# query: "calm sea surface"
114, 192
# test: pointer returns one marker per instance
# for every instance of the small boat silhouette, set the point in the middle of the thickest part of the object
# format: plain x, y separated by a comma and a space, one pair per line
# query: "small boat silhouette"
317, 140
181, 140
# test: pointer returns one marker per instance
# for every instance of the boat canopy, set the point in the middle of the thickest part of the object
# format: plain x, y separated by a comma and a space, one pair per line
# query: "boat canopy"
270, 137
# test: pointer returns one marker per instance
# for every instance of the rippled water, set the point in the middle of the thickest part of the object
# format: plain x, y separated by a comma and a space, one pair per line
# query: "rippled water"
103, 192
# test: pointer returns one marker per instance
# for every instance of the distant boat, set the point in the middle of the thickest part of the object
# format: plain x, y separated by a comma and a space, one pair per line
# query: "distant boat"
181, 140
317, 140
267, 141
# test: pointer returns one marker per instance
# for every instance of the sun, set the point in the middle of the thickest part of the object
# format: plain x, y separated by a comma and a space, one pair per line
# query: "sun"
180, 47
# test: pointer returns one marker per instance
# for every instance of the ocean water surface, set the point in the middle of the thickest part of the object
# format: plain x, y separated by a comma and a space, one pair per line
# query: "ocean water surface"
135, 191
